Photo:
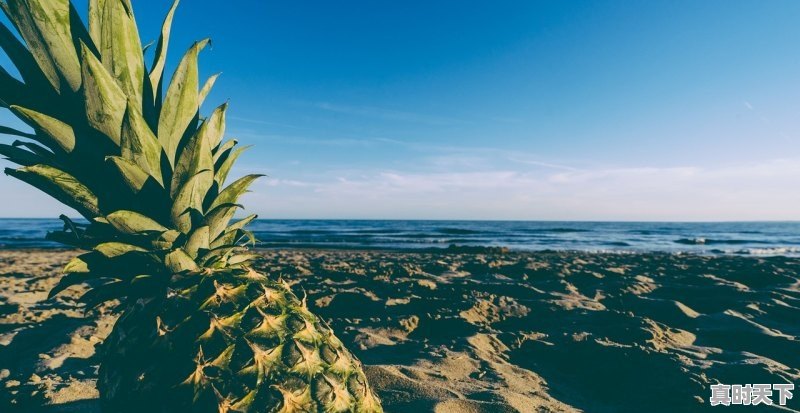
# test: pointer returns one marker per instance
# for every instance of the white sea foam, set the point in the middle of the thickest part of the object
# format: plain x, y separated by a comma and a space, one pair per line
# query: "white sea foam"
768, 251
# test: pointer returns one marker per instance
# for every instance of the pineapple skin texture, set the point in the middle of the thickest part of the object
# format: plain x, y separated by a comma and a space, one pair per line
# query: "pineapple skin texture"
229, 341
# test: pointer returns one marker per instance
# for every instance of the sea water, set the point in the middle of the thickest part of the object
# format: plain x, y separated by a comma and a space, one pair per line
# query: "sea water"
745, 238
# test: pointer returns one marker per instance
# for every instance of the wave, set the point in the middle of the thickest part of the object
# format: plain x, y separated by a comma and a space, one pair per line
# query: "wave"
554, 230
691, 241
706, 241
457, 231
767, 251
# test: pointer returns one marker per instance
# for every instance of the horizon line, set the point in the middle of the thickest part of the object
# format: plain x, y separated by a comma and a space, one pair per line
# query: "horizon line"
743, 221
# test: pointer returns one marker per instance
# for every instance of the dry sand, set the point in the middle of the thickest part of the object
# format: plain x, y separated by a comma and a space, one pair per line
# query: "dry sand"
472, 332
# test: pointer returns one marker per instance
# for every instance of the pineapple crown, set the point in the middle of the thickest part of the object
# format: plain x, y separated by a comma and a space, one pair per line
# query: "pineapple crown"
140, 165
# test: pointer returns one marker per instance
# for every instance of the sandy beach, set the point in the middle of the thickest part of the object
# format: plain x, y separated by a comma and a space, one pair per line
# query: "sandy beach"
471, 331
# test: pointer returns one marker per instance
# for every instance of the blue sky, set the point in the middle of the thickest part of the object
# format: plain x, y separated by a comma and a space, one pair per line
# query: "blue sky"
602, 110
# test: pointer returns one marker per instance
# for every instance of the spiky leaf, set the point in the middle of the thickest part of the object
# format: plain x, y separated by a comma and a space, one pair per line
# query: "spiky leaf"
216, 126
120, 47
77, 265
133, 176
21, 156
190, 196
5, 130
204, 91
138, 144
195, 157
70, 280
218, 218
157, 71
132, 223
22, 58
61, 186
223, 150
197, 240
179, 261
233, 191
106, 292
225, 167
45, 26
181, 102
115, 249
61, 134
105, 101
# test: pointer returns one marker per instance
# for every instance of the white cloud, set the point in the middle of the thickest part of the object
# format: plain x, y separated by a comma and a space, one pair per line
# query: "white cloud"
756, 191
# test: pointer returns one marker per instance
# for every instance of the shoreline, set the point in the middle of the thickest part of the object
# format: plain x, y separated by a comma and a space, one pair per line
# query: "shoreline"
464, 249
470, 331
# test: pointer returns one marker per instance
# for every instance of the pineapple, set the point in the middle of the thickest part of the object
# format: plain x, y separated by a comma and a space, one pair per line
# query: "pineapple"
200, 330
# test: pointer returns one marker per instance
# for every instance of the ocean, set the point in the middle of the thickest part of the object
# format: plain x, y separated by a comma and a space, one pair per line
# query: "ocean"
740, 238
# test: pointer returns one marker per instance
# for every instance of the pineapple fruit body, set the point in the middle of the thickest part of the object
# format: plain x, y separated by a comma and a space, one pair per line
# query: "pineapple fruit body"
229, 341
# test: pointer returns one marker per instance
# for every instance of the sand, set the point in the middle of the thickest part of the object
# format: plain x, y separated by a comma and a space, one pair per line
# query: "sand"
471, 332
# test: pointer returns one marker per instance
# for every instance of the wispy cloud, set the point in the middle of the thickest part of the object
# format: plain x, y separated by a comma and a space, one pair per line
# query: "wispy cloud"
306, 140
767, 121
751, 191
384, 114
261, 122
535, 162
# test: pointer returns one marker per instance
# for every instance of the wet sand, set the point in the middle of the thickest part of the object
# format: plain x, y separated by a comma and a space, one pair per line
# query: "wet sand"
471, 331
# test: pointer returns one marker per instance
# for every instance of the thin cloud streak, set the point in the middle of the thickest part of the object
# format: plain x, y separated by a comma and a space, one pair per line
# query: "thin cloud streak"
304, 140
261, 122
385, 114
754, 191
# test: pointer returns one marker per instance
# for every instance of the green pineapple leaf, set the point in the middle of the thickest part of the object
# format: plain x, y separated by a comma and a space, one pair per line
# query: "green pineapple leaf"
61, 134
134, 223
133, 176
114, 249
139, 145
195, 157
21, 156
37, 149
117, 40
157, 70
206, 89
219, 217
181, 103
225, 167
179, 261
70, 280
5, 130
222, 151
197, 240
105, 100
21, 57
216, 126
61, 186
190, 197
45, 27
100, 294
232, 192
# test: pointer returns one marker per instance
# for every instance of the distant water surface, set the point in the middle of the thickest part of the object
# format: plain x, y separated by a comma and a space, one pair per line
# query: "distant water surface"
747, 238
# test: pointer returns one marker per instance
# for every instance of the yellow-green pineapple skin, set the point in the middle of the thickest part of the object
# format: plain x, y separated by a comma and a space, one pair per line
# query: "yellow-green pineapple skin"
236, 341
